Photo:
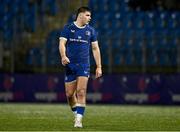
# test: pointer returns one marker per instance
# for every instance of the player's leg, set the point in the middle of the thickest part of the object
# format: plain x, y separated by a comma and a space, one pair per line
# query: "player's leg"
70, 88
81, 89
81, 99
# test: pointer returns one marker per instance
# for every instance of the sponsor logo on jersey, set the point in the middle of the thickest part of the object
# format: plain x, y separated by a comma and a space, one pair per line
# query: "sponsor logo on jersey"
72, 31
78, 40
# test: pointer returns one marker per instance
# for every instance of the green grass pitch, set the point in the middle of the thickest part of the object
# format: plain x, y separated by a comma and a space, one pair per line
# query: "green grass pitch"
58, 117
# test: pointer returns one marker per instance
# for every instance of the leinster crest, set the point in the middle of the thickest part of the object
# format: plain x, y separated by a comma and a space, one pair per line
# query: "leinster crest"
88, 33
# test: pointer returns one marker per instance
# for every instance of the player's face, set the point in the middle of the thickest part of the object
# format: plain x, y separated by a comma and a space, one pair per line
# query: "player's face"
86, 17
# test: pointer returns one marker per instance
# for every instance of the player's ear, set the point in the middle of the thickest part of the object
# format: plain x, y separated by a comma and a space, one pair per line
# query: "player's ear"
80, 15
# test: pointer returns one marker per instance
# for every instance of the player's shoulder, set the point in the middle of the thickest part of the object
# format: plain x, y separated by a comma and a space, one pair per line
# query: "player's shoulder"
69, 25
91, 28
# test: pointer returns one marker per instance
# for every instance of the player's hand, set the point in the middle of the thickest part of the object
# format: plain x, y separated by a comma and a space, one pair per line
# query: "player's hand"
65, 60
98, 72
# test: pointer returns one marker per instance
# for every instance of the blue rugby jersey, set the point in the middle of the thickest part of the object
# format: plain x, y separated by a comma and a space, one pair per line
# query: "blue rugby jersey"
78, 41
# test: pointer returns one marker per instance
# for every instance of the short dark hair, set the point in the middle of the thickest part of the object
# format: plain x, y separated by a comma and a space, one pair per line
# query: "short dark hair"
82, 9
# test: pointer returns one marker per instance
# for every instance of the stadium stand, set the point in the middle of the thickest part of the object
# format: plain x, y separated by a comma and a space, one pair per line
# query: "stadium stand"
18, 16
139, 30
127, 37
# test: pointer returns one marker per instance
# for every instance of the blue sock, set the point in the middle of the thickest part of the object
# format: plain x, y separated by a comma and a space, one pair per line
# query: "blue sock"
80, 110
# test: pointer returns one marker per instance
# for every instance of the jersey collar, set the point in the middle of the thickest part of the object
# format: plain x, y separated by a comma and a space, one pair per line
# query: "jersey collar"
79, 26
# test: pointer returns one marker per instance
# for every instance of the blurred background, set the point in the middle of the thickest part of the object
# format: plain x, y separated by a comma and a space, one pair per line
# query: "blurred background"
139, 42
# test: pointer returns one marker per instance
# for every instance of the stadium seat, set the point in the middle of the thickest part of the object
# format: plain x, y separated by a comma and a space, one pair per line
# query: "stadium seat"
139, 20
53, 48
128, 21
151, 50
50, 6
128, 51
174, 20
150, 20
161, 20
173, 47
35, 57
118, 58
30, 18
138, 47
113, 6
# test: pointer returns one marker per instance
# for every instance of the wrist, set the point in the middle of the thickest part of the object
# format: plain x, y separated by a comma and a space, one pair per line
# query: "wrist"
63, 56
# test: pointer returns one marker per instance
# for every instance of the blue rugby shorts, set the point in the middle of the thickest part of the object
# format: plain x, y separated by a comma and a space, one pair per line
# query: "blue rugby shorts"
72, 71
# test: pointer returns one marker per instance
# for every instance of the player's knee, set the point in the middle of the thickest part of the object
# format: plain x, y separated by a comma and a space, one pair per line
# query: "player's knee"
69, 94
81, 92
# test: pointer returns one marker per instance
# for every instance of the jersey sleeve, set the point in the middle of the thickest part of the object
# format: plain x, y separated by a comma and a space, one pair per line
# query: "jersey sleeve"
94, 36
64, 33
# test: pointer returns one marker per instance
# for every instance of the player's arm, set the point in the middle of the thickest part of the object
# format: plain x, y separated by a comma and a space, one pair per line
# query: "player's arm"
62, 51
97, 57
